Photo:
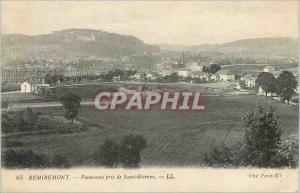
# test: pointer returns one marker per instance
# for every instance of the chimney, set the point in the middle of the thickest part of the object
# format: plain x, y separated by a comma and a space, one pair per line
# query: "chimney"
199, 59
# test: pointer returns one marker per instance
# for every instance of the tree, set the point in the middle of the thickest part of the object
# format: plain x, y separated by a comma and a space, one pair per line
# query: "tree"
267, 82
262, 145
130, 149
48, 79
262, 137
126, 153
214, 68
71, 103
61, 79
174, 77
242, 84
108, 154
286, 85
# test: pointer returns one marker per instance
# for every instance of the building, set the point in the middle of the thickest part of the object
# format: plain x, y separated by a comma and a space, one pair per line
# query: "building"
136, 76
36, 87
225, 75
40, 88
83, 71
204, 76
149, 76
201, 75
116, 78
269, 69
165, 73
181, 62
183, 73
214, 77
26, 87
249, 80
20, 75
195, 67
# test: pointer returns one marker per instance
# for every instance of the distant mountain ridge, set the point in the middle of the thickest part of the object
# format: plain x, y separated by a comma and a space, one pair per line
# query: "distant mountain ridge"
257, 47
74, 43
83, 43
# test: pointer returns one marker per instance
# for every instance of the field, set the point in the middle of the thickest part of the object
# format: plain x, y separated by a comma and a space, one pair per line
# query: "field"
89, 91
257, 68
174, 138
18, 97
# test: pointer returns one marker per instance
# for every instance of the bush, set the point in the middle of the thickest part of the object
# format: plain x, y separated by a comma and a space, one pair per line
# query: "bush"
284, 157
59, 161
262, 136
130, 149
24, 159
221, 156
262, 146
29, 159
242, 84
108, 154
126, 153
25, 120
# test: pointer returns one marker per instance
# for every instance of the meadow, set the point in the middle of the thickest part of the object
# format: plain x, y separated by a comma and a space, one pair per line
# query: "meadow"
19, 97
174, 138
258, 68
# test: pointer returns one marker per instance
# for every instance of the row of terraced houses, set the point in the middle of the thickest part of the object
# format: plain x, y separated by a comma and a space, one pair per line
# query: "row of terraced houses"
19, 75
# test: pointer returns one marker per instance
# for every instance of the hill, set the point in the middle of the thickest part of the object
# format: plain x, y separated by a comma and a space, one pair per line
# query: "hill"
258, 47
74, 43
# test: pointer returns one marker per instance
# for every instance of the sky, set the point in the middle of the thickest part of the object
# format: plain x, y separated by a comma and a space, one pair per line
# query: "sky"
186, 23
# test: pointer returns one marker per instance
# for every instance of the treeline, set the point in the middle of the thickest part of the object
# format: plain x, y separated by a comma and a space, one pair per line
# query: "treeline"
211, 69
283, 86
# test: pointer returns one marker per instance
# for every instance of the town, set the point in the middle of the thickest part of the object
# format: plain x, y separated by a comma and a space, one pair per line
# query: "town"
38, 79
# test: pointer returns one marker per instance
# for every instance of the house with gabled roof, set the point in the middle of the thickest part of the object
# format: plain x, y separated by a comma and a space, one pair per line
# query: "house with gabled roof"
225, 75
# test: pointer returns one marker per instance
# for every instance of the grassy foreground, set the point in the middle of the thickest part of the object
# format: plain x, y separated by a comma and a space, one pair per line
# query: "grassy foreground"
174, 138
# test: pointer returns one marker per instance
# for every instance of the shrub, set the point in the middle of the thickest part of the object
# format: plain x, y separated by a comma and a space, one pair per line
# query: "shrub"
221, 156
59, 161
284, 157
126, 153
130, 150
24, 159
262, 146
108, 154
262, 136
25, 120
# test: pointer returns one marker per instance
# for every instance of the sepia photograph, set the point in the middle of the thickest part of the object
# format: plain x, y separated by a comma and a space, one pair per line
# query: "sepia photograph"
142, 93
